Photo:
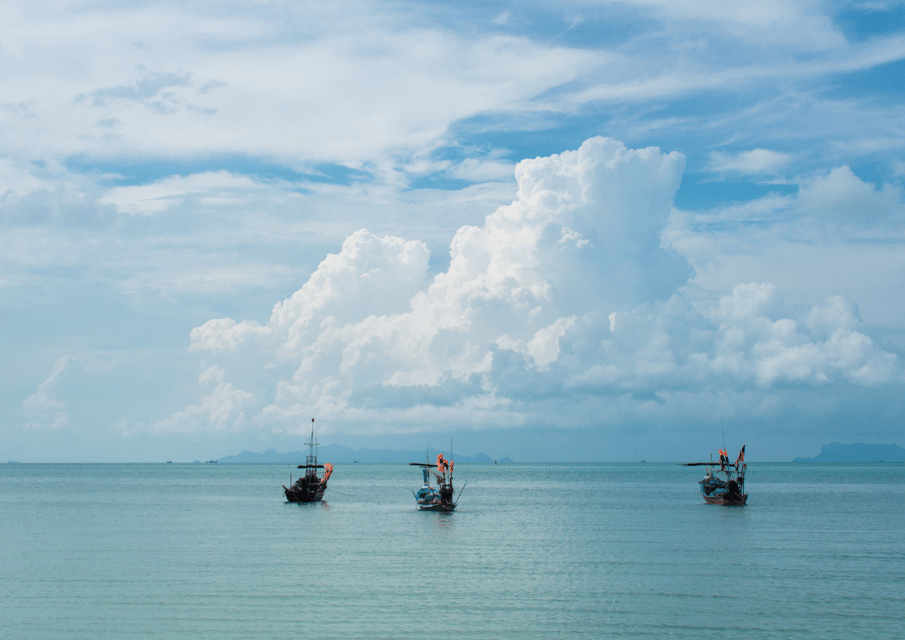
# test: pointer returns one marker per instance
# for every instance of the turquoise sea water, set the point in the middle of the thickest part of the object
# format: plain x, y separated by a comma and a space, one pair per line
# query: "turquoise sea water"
534, 551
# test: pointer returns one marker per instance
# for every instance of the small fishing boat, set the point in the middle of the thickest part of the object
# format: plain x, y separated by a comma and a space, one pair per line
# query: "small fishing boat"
440, 499
730, 491
309, 488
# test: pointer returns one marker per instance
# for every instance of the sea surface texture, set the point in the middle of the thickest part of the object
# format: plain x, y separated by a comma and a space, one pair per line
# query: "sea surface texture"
214, 551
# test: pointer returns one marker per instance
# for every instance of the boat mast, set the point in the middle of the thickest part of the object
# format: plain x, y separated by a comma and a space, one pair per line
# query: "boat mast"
312, 456
723, 429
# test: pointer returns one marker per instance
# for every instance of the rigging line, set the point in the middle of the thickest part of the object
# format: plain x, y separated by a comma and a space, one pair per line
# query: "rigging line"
351, 495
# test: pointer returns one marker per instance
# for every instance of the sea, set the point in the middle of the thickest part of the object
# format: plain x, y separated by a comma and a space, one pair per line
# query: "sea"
214, 551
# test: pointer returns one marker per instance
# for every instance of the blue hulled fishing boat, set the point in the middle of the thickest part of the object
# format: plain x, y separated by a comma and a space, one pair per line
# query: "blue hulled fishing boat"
715, 489
440, 499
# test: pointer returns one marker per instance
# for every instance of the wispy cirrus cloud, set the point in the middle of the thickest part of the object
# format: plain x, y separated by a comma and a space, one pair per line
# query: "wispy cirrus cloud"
42, 409
756, 162
220, 187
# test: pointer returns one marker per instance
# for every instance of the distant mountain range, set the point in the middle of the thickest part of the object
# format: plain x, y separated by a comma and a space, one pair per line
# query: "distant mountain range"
336, 453
858, 452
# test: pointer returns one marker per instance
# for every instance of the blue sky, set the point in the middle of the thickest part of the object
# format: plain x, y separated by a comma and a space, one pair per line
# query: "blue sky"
582, 232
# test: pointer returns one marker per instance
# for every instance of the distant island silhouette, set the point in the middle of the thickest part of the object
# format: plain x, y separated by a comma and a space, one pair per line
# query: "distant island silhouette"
336, 453
857, 452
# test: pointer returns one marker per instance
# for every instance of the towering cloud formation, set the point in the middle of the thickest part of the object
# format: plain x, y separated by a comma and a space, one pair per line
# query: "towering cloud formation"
565, 295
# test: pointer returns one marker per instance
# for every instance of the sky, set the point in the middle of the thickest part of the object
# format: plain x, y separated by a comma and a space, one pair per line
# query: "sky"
574, 231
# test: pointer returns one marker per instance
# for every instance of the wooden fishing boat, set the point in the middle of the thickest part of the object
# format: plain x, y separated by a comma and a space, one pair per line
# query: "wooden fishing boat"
440, 499
730, 491
310, 487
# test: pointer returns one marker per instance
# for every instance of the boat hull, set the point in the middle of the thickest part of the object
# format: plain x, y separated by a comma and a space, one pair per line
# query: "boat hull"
730, 492
726, 499
301, 496
442, 506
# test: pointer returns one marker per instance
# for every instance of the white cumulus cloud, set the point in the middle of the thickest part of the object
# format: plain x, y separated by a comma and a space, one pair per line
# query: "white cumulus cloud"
843, 196
568, 292
219, 411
